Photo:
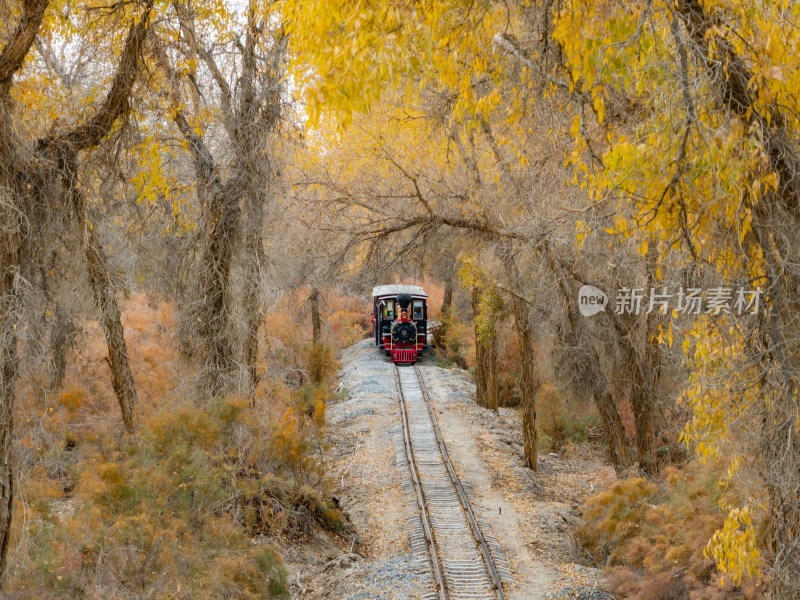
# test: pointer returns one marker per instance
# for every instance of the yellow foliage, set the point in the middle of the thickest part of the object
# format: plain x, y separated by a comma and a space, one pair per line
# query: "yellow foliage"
371, 46
734, 546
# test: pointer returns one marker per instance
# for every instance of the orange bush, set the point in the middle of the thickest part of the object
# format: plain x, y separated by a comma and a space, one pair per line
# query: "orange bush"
653, 537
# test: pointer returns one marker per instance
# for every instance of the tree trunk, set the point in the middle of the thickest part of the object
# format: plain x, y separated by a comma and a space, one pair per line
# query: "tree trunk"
485, 359
480, 365
584, 363
447, 299
528, 382
221, 236
447, 305
253, 318
490, 357
645, 367
61, 340
643, 404
316, 322
103, 292
10, 240
248, 124
15, 198
778, 447
612, 424
60, 325
8, 372
252, 304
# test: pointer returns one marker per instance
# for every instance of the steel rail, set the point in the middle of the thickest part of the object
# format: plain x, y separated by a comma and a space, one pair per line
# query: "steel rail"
424, 517
476, 530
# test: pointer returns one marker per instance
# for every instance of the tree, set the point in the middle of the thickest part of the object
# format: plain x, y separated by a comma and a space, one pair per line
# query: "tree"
32, 181
233, 205
717, 79
529, 382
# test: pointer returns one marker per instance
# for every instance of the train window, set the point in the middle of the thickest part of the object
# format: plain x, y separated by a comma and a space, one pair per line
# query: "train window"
388, 309
418, 309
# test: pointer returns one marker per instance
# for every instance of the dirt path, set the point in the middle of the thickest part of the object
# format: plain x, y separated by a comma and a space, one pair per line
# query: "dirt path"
531, 514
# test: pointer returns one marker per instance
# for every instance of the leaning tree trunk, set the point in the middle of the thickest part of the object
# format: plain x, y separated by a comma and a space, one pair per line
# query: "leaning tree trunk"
584, 363
110, 319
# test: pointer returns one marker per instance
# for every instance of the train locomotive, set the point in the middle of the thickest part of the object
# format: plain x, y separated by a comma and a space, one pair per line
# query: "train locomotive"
400, 321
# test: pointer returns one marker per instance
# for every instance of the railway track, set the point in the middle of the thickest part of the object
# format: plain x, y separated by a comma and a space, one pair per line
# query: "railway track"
465, 562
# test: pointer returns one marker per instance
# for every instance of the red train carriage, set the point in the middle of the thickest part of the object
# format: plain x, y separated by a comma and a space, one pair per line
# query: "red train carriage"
400, 321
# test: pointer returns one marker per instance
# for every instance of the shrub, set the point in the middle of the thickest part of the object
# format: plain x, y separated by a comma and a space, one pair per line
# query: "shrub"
653, 536
179, 510
321, 363
449, 343
163, 512
556, 426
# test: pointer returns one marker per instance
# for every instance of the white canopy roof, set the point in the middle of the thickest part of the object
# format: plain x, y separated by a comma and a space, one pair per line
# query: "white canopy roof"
393, 290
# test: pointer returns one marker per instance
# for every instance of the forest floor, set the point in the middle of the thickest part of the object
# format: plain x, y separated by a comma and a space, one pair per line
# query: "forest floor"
531, 514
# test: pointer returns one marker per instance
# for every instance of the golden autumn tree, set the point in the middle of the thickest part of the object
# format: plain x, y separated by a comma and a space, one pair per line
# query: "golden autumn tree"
709, 175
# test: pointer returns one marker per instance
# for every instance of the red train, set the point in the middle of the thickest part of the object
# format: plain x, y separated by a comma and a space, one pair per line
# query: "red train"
400, 321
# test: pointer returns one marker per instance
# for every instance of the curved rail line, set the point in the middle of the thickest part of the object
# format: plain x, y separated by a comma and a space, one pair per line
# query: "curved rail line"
461, 561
